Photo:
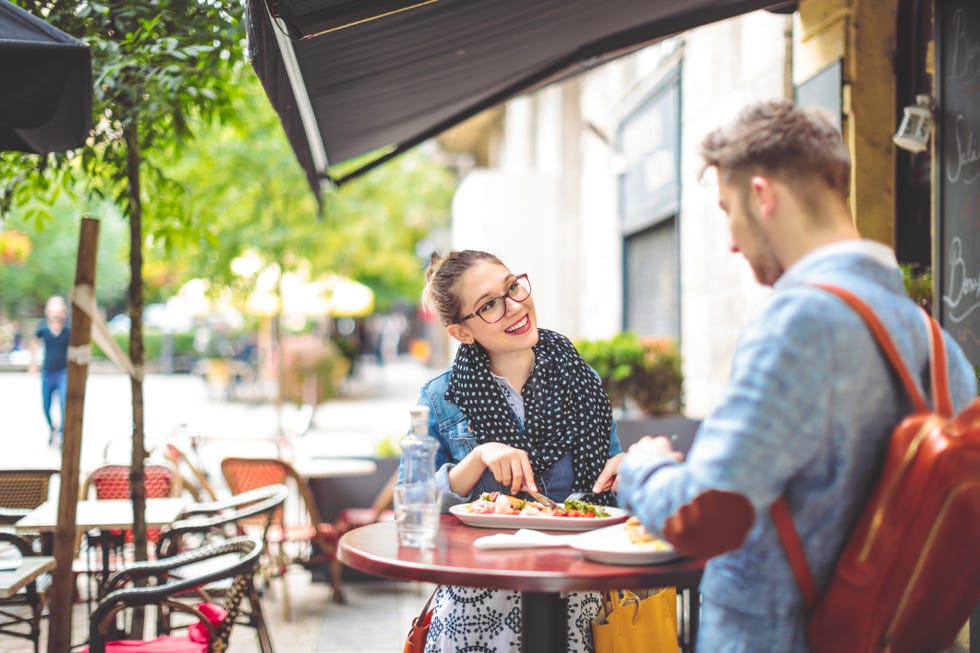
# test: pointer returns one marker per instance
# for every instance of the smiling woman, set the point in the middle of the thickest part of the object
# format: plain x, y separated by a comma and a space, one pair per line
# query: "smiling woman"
518, 408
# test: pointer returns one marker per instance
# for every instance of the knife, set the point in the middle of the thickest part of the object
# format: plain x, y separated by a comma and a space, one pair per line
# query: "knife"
554, 505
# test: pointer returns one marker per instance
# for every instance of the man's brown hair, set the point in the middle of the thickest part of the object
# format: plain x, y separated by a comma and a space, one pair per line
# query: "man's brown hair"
779, 139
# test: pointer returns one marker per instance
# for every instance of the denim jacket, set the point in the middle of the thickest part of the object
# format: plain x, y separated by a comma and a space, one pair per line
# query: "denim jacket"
449, 427
807, 414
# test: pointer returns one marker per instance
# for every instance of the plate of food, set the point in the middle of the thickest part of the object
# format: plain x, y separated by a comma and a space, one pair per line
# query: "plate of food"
624, 544
497, 510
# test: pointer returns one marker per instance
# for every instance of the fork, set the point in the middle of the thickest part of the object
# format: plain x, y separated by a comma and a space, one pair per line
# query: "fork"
577, 496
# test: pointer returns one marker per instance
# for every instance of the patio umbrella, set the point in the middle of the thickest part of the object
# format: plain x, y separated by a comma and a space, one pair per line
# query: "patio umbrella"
349, 298
45, 85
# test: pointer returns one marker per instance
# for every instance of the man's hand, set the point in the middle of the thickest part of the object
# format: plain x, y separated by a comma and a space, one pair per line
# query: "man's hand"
659, 445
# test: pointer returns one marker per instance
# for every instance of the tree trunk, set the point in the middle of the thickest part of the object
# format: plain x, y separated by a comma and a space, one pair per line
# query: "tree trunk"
136, 475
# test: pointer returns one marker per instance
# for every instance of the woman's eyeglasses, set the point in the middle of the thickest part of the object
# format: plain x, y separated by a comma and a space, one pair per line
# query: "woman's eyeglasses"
494, 310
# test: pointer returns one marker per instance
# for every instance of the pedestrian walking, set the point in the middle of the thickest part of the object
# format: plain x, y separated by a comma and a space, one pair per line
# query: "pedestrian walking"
53, 331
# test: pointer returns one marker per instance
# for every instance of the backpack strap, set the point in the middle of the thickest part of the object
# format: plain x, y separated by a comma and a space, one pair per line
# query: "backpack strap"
939, 378
781, 517
888, 348
793, 547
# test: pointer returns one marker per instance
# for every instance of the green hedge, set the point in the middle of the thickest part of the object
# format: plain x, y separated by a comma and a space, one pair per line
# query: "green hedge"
152, 345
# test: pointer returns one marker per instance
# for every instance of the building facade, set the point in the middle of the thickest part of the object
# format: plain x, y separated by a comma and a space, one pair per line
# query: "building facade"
591, 184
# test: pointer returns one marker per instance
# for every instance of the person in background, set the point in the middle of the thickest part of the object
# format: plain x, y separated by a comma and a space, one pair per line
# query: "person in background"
53, 330
811, 400
517, 407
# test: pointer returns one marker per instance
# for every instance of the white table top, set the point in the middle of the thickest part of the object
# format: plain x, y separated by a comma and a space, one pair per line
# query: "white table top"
11, 580
103, 513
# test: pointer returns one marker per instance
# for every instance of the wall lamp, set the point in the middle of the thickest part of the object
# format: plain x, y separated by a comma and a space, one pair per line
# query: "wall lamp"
913, 133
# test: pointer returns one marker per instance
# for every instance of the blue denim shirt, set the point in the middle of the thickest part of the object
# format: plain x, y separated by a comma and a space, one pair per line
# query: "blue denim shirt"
448, 425
807, 414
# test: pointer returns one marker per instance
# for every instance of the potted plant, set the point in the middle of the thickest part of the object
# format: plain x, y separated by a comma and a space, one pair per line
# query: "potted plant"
656, 382
918, 284
647, 371
614, 359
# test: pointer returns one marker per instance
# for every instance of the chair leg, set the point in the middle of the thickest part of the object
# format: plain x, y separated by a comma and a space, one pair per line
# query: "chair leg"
287, 612
336, 570
258, 620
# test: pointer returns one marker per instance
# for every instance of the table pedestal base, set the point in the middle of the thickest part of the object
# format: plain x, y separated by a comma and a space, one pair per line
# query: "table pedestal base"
544, 622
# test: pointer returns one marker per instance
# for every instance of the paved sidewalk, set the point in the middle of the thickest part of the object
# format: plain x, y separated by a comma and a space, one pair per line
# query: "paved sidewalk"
373, 407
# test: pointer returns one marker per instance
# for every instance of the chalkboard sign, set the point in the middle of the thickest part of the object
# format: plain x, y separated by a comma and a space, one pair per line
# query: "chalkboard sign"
957, 263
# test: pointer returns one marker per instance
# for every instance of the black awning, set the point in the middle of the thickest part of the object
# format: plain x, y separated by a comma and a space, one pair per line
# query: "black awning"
346, 80
45, 85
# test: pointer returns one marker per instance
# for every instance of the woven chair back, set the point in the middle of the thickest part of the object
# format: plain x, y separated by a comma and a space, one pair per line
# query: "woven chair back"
24, 489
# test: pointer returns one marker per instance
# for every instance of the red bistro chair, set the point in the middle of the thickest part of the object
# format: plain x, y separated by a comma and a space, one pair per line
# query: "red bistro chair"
298, 535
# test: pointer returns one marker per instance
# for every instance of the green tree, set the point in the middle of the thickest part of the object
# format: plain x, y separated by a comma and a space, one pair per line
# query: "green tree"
246, 191
50, 267
155, 66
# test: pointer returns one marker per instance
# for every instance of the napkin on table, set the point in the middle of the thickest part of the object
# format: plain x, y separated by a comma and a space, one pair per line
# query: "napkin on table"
524, 538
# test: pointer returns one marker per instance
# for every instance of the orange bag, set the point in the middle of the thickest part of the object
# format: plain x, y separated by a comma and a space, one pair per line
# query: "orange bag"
415, 641
909, 575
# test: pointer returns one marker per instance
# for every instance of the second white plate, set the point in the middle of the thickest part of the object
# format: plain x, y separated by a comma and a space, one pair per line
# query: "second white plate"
541, 522
611, 545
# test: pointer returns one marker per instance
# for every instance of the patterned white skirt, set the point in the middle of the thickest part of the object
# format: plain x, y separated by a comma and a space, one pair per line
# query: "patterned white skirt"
478, 620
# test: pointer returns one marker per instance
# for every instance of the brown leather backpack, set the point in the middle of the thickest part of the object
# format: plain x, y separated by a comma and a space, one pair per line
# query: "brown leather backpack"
909, 574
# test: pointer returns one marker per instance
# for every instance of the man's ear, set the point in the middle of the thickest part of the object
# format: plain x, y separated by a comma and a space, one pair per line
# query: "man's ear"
461, 333
764, 195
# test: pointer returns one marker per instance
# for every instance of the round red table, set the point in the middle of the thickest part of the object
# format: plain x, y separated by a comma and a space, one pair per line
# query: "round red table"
540, 574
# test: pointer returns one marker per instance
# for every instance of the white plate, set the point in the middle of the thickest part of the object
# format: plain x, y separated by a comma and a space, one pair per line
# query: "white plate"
537, 521
610, 545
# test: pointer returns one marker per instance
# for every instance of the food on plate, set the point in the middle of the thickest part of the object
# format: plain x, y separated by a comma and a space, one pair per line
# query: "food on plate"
640, 538
498, 503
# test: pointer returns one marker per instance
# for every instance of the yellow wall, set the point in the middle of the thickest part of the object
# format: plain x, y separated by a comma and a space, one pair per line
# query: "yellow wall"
862, 34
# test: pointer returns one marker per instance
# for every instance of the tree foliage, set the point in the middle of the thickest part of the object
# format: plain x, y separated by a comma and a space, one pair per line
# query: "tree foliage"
49, 268
246, 191
156, 66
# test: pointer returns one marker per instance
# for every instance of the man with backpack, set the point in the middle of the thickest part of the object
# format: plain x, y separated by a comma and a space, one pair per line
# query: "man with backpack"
812, 401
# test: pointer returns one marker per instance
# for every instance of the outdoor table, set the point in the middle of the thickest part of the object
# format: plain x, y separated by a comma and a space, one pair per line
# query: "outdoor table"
13, 579
313, 467
540, 574
102, 515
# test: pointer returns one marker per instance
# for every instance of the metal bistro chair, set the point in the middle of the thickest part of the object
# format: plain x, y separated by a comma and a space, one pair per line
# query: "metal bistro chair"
200, 488
20, 614
379, 510
21, 491
310, 542
207, 523
169, 581
112, 482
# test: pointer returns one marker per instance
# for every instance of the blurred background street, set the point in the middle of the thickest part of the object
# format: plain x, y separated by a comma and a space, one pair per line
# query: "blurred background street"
373, 408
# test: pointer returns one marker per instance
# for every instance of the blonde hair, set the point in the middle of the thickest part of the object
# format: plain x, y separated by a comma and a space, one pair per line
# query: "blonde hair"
441, 293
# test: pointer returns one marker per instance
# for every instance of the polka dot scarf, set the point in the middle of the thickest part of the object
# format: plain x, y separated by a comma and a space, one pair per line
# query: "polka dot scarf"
566, 409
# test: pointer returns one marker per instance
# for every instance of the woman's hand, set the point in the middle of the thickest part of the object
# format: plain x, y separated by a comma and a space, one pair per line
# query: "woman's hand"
609, 476
508, 465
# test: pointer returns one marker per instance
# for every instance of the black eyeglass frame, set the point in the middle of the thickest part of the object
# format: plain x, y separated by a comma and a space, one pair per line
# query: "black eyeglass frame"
503, 298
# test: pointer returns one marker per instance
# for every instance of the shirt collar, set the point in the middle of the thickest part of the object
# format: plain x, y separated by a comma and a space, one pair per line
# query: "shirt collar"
880, 253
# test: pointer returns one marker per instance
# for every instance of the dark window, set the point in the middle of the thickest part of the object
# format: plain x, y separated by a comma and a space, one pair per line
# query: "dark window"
652, 289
